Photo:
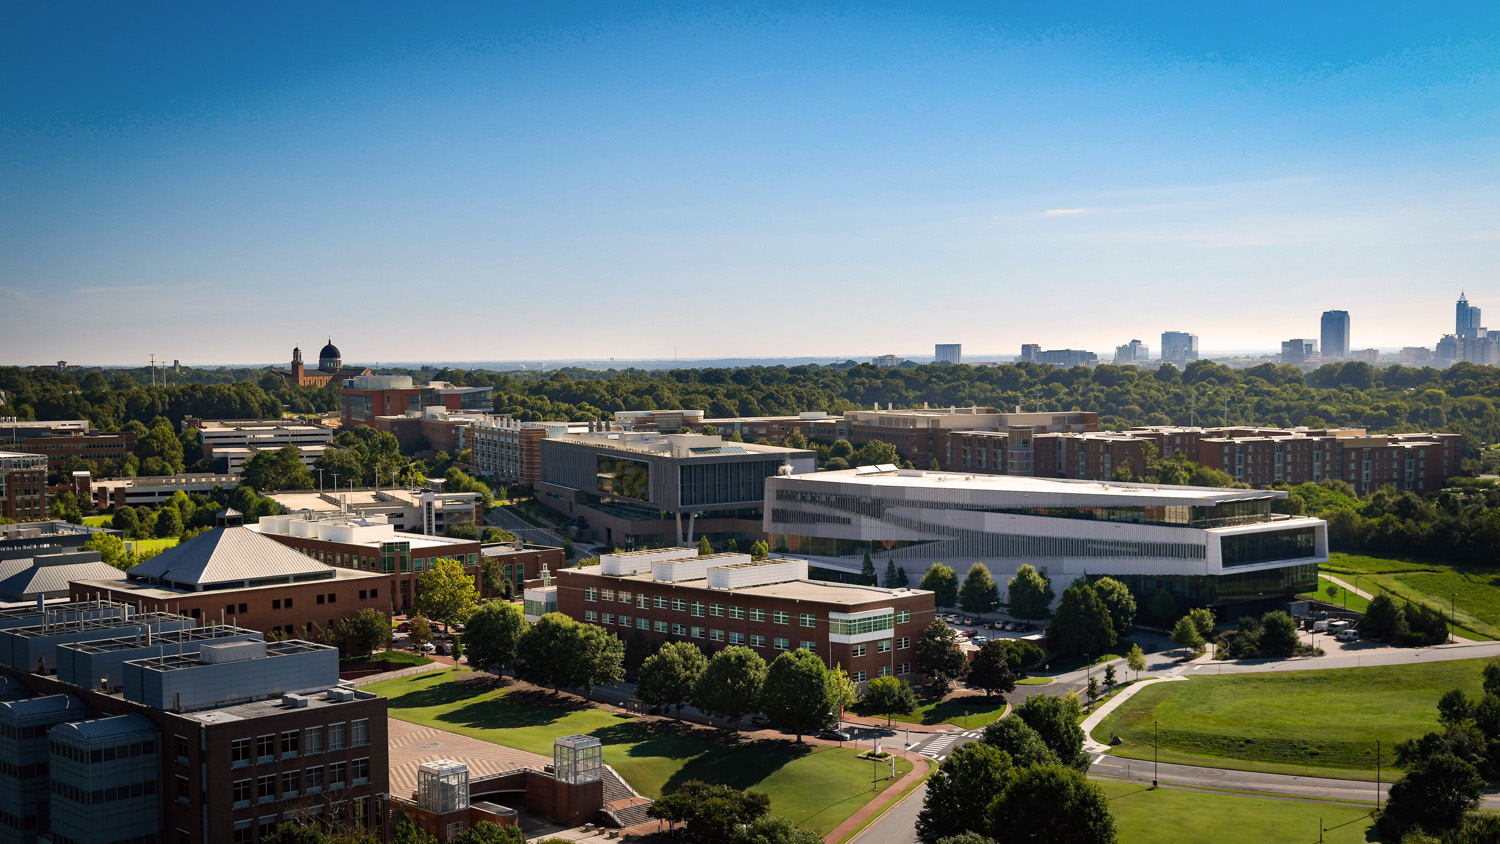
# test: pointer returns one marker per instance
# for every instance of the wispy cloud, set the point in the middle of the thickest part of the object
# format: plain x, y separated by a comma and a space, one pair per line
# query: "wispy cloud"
1061, 212
17, 294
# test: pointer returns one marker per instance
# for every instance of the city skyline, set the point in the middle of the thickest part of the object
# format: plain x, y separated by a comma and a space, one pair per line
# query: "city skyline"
236, 185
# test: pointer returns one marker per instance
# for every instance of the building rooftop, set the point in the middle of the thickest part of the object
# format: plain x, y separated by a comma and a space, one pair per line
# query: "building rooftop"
823, 591
678, 446
228, 556
28, 577
341, 501
368, 532
936, 482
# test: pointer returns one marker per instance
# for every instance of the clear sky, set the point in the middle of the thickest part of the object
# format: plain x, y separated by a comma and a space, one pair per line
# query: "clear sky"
217, 182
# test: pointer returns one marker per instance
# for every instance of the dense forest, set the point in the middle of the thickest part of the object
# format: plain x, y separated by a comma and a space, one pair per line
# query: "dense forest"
1462, 398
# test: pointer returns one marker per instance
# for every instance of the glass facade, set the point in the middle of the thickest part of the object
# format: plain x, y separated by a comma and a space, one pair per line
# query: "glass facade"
1252, 511
978, 544
856, 626
1210, 590
622, 477
1269, 546
714, 482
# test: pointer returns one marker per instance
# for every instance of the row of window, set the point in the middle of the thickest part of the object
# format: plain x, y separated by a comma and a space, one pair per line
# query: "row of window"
292, 743
697, 608
295, 783
251, 829
733, 637
68, 750
126, 791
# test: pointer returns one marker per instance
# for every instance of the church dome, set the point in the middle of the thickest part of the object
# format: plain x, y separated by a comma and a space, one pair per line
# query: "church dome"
329, 360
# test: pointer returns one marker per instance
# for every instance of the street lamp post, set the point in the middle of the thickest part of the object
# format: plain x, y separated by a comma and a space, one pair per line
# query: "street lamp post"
1153, 753
1377, 774
1452, 616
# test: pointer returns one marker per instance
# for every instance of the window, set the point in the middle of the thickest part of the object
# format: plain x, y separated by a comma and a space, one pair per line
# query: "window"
781, 644
624, 597
781, 617
607, 618
697, 609
757, 641
679, 604
276, 603
858, 676
182, 748
291, 783
660, 627
757, 615
679, 630
885, 671
314, 743
244, 831
291, 742
643, 624
903, 616
359, 732
362, 771
363, 594
590, 615
736, 612
590, 593
265, 788
716, 635
857, 650
183, 794
660, 602
239, 753
265, 748
716, 610
903, 669
736, 638
240, 793
320, 599
315, 780
903, 643
624, 621
810, 647
606, 594
336, 736
697, 632
338, 773
808, 620
883, 646
642, 602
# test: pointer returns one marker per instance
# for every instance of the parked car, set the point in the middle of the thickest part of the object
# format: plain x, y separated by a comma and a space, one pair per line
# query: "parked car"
428, 647
1320, 626
971, 632
444, 649
834, 735
758, 720
1348, 635
979, 640
970, 621
404, 627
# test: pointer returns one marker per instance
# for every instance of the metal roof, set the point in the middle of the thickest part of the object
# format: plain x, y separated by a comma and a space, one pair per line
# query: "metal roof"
96, 730
25, 578
229, 555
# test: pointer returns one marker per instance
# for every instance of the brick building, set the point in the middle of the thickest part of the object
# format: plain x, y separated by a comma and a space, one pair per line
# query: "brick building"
59, 441
23, 486
197, 735
769, 606
364, 397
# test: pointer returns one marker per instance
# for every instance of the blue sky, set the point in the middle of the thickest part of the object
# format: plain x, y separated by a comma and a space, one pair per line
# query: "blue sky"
219, 182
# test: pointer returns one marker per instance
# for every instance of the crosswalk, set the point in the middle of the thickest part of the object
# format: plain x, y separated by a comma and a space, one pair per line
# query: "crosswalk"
939, 747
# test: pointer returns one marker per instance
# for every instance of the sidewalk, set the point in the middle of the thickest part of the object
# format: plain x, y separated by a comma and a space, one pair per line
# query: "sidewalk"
1098, 715
1342, 585
399, 673
886, 799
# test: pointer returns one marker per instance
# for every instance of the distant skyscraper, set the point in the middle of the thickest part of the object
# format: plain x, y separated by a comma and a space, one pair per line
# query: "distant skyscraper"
948, 353
1335, 335
1029, 351
1466, 322
1179, 347
1133, 352
1299, 351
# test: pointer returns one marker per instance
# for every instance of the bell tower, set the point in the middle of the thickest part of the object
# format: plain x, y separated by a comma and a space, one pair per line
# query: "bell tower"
297, 364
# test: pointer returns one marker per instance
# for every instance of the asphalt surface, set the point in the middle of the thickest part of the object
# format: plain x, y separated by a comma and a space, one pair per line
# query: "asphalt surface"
524, 530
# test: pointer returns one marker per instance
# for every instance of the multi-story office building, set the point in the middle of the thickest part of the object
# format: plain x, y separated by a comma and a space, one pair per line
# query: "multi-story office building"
23, 486
1208, 546
660, 421
887, 361
1179, 348
1335, 335
119, 726
148, 491
1066, 357
1370, 356
416, 510
1004, 445
1029, 351
769, 606
1133, 352
365, 397
453, 397
235, 440
1299, 351
511, 451
632, 489
1466, 321
948, 353
60, 441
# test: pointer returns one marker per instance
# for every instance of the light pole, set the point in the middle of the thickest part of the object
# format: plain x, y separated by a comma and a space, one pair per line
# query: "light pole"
1154, 759
1377, 774
1452, 616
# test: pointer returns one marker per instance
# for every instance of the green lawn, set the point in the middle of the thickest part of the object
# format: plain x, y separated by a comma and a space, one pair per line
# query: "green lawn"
1064, 664
1344, 598
395, 659
1149, 816
817, 787
1320, 722
1034, 681
967, 711
153, 546
97, 521
1477, 588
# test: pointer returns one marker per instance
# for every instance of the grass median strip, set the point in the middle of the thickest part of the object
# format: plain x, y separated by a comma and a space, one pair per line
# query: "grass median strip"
817, 787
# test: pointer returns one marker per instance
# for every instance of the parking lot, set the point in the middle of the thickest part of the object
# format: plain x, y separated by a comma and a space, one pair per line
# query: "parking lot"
989, 627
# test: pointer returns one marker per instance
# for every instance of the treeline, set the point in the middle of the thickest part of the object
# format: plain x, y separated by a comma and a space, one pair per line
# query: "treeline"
1458, 525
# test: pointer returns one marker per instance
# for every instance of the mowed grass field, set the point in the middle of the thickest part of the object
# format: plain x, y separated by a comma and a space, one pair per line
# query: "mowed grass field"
1150, 816
968, 711
817, 787
1344, 598
1477, 589
1323, 723
153, 546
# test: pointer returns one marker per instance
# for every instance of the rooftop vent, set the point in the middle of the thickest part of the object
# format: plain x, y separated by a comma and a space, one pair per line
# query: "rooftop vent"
294, 701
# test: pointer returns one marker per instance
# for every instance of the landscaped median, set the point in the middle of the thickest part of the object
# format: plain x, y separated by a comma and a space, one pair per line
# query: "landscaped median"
966, 711
1320, 723
816, 786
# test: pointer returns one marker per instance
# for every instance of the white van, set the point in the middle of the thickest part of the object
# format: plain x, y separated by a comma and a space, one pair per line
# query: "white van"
1320, 626
1348, 635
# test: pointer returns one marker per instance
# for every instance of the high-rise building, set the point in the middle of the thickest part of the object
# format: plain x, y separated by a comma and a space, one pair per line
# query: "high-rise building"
1179, 347
1133, 352
1335, 335
1029, 352
1299, 351
1466, 322
948, 353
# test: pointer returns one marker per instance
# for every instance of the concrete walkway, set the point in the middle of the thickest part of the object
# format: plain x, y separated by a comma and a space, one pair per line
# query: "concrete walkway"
883, 801
435, 665
1343, 585
1098, 715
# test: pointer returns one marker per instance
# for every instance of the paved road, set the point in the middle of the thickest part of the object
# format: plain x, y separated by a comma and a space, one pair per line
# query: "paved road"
523, 529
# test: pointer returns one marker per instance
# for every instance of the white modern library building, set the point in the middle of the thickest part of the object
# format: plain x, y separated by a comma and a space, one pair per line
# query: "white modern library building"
1207, 546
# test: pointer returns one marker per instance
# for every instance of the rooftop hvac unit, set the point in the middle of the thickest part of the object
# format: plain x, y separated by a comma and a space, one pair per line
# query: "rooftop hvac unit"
294, 701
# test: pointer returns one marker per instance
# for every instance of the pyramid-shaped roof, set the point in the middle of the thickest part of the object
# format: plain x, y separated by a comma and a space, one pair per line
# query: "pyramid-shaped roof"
228, 556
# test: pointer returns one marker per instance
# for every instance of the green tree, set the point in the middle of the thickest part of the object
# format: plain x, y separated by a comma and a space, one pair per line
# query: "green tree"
1082, 624
1120, 603
1203, 620
1163, 608
1433, 796
892, 575
1136, 659
1013, 736
446, 593
168, 523
496, 583
795, 695
773, 830
667, 677
970, 777
125, 520
1029, 593
903, 580
876, 453
281, 469
939, 658
990, 669
1185, 635
1454, 708
1278, 634
288, 832
842, 692
1051, 803
867, 571
704, 546
1055, 719
405, 833
489, 832
494, 632
365, 631
889, 696
730, 685
421, 631
161, 450
978, 593
111, 549
710, 813
562, 653
759, 550
1109, 677
458, 648
942, 582
1383, 621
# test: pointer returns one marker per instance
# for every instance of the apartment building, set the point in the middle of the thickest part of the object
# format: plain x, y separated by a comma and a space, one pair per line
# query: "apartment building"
61, 440
23, 486
769, 606
117, 726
